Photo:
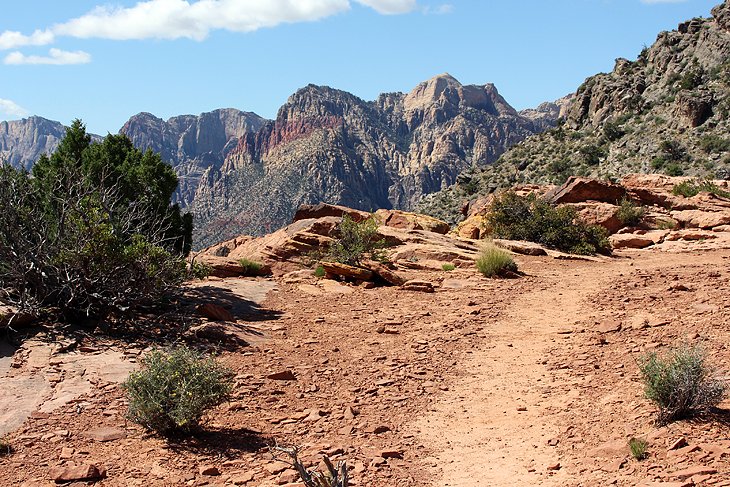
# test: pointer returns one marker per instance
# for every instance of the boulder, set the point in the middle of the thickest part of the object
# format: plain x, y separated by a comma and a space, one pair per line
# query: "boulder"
578, 190
215, 312
599, 213
72, 472
411, 221
472, 227
690, 235
216, 332
418, 285
11, 317
701, 219
630, 241
347, 271
324, 209
520, 247
694, 108
227, 267
386, 274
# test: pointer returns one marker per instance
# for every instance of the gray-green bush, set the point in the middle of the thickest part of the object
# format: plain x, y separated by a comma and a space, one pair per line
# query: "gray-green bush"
172, 390
680, 383
356, 241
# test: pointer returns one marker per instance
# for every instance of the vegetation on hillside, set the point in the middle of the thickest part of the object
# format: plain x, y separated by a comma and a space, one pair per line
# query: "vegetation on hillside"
666, 112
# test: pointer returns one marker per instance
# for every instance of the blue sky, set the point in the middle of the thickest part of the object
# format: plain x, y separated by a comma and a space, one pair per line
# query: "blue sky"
104, 62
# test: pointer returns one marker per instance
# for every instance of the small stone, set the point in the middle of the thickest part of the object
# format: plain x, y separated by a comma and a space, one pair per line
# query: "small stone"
209, 470
283, 375
72, 472
276, 467
215, 312
242, 478
553, 442
287, 477
350, 413
521, 408
553, 467
678, 444
692, 471
66, 453
105, 434
391, 453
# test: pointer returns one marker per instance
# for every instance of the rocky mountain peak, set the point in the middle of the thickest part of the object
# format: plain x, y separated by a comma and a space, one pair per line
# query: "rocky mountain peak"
192, 144
22, 142
666, 112
444, 95
329, 145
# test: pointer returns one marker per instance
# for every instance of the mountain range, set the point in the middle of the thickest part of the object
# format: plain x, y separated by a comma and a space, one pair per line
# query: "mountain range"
240, 173
667, 112
439, 146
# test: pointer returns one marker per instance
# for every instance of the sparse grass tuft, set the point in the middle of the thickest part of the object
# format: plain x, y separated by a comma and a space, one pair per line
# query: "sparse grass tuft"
638, 448
173, 389
494, 261
681, 383
319, 272
448, 267
250, 267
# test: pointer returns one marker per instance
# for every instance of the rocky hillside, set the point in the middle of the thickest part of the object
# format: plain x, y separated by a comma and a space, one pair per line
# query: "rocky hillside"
666, 112
23, 141
329, 145
191, 144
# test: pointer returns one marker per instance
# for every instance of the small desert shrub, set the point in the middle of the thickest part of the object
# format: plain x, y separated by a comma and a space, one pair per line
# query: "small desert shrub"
638, 447
714, 144
448, 267
5, 448
533, 219
693, 187
250, 267
333, 476
629, 213
356, 241
173, 389
680, 383
494, 261
666, 224
674, 169
319, 272
199, 270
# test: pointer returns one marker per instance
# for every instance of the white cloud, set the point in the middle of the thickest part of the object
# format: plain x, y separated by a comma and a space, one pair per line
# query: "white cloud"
55, 56
9, 108
12, 39
175, 19
443, 9
390, 7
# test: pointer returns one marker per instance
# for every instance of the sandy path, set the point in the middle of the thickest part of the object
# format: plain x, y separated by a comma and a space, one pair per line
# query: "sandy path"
492, 428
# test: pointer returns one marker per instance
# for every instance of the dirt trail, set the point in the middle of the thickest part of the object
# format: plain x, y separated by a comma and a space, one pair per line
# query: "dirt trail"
491, 428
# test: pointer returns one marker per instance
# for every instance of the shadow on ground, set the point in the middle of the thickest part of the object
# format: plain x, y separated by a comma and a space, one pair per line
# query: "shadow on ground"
227, 442
242, 308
